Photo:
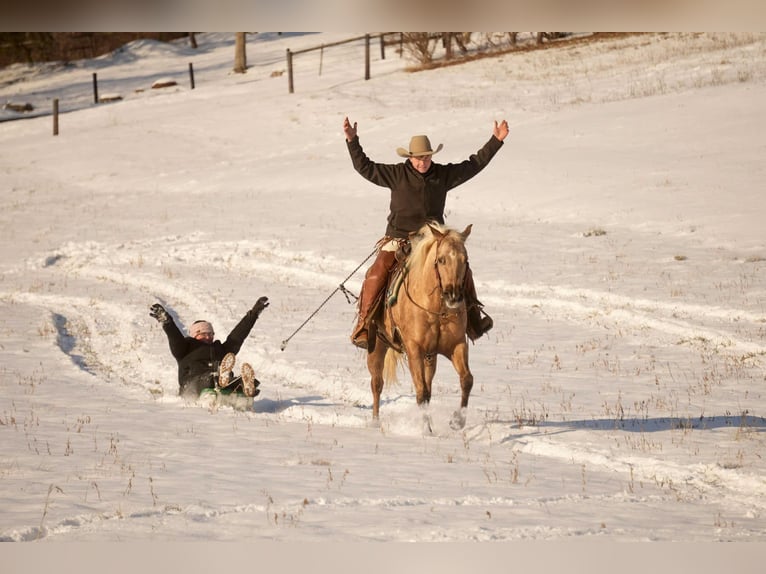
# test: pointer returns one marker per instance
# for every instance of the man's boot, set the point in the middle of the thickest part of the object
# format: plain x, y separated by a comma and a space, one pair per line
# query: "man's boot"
374, 283
477, 324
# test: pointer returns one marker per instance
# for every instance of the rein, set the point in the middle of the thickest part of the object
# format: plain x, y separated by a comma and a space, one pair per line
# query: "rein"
439, 287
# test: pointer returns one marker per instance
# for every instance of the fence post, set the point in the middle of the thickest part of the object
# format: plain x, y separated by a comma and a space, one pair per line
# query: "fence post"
191, 75
290, 71
447, 41
56, 117
382, 46
95, 88
366, 56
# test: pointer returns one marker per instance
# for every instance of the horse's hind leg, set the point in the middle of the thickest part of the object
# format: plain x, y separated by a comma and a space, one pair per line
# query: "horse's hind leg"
375, 361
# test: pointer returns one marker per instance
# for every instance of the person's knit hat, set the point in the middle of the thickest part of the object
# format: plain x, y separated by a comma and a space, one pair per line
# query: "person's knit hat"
419, 146
199, 327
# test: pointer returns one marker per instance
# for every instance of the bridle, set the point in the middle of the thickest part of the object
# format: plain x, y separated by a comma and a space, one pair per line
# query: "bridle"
441, 312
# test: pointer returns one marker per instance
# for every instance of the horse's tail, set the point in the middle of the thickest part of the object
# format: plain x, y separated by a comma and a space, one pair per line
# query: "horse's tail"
390, 363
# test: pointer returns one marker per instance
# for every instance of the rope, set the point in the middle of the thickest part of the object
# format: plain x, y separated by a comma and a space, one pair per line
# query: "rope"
341, 288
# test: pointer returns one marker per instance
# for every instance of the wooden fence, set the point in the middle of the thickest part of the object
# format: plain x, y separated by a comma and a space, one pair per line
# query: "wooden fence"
367, 41
420, 43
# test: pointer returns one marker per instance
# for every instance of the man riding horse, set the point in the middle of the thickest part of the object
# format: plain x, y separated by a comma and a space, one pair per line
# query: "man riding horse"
418, 193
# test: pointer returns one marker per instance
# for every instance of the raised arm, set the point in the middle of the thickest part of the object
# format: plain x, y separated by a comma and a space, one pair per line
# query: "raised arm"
178, 344
239, 333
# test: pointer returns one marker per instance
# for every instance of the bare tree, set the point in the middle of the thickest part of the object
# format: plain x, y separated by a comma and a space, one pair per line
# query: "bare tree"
419, 45
461, 39
193, 40
240, 54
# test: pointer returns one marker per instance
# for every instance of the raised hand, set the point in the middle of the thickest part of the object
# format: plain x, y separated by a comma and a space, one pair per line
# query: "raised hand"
260, 305
501, 130
158, 312
349, 130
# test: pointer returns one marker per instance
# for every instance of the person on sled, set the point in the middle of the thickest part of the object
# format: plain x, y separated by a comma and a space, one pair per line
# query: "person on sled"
205, 362
418, 193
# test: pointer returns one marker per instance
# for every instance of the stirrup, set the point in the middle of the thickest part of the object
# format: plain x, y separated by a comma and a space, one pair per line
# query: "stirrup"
359, 339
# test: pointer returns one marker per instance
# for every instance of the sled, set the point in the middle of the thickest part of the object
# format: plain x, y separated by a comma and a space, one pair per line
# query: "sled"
236, 399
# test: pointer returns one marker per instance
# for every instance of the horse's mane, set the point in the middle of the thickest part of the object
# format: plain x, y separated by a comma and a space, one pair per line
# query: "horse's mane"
422, 241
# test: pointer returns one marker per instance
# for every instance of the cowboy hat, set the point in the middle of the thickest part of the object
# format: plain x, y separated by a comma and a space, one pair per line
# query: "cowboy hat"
419, 146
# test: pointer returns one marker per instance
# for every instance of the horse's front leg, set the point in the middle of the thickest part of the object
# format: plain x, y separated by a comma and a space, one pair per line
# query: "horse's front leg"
429, 370
459, 360
419, 370
416, 359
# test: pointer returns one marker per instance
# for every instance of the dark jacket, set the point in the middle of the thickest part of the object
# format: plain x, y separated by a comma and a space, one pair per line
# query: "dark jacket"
198, 361
415, 197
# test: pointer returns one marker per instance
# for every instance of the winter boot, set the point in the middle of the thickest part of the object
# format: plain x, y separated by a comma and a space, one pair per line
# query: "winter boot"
249, 383
224, 370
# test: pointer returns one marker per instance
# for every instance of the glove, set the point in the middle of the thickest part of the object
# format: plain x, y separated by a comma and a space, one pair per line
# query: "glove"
260, 305
158, 312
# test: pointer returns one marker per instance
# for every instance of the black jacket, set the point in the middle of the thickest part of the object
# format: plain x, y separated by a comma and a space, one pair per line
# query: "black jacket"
417, 198
198, 361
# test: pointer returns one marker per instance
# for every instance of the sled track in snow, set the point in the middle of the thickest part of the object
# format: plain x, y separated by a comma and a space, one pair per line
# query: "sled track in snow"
102, 268
713, 481
267, 260
669, 322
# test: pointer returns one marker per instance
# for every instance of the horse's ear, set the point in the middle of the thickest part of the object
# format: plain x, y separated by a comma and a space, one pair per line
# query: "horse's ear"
435, 230
467, 231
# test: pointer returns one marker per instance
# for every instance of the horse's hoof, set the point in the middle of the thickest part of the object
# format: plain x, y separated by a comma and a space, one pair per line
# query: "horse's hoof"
457, 421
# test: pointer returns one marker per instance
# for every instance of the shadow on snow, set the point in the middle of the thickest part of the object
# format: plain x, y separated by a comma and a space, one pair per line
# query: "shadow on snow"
743, 421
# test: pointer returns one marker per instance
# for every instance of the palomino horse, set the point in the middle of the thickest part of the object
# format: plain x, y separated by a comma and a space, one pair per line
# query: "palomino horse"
427, 319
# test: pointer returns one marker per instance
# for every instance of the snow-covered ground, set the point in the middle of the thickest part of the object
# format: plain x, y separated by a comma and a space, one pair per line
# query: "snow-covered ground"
618, 242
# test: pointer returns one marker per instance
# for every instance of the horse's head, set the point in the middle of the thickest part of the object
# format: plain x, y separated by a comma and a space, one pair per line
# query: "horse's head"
451, 262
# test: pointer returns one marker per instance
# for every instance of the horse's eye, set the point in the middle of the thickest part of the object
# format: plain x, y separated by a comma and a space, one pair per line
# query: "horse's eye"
441, 260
